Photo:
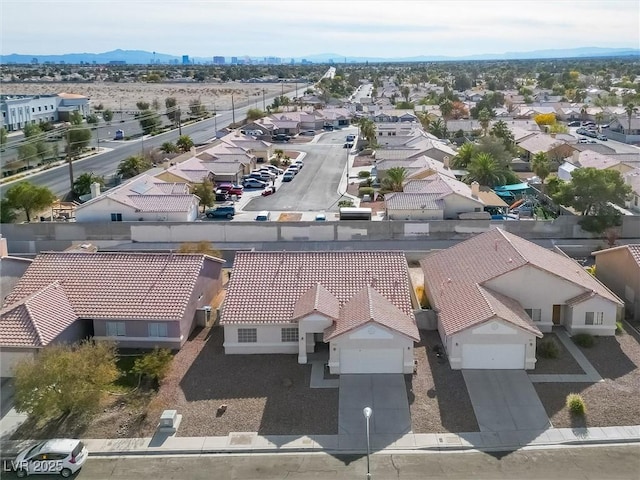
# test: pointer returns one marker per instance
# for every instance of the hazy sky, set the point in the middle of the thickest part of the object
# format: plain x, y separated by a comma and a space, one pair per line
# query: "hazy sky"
295, 28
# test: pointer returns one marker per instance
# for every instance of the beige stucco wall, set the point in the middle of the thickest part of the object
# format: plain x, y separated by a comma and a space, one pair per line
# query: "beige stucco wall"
535, 288
415, 214
483, 334
455, 204
11, 356
269, 340
621, 274
101, 210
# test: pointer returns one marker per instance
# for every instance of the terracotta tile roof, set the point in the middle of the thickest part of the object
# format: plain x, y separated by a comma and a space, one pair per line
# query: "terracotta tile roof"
635, 252
508, 309
413, 201
37, 319
453, 277
146, 286
162, 203
317, 299
265, 286
368, 306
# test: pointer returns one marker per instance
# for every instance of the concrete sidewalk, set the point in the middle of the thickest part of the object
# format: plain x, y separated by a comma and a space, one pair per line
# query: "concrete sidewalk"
250, 442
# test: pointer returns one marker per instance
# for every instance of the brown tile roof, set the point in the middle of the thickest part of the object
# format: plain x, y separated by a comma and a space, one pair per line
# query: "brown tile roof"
368, 306
37, 319
145, 286
317, 299
266, 286
454, 277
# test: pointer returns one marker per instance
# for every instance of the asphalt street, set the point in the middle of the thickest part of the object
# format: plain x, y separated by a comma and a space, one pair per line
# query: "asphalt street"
106, 163
579, 463
315, 187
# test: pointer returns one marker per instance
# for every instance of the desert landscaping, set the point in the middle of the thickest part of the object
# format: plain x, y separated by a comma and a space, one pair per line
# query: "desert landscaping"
114, 96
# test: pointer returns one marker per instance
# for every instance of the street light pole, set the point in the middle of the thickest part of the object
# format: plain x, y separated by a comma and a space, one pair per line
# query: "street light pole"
367, 412
233, 113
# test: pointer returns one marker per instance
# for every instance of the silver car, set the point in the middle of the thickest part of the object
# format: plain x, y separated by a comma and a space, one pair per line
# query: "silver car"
64, 456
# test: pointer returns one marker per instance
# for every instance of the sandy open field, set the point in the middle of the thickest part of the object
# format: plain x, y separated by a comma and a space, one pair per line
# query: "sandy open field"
125, 95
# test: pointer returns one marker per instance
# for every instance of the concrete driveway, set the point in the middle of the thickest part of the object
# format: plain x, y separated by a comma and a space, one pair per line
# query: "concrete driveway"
505, 401
386, 394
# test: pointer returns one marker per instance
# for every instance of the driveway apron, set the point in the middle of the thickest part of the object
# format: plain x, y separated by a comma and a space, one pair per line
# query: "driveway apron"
505, 401
386, 394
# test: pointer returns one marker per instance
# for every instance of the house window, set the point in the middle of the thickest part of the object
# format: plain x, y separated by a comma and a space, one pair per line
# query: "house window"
534, 313
158, 330
289, 334
247, 335
594, 318
115, 329
116, 217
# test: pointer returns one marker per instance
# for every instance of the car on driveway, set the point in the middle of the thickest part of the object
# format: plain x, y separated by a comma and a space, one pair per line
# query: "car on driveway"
231, 188
280, 137
574, 124
273, 169
268, 191
254, 183
583, 140
64, 456
222, 195
293, 168
221, 211
308, 133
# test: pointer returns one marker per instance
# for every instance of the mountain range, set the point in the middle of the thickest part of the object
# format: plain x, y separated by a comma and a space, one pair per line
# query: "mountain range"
136, 57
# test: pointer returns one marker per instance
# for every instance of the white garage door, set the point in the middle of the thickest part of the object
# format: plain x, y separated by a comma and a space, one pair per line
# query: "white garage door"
383, 360
507, 356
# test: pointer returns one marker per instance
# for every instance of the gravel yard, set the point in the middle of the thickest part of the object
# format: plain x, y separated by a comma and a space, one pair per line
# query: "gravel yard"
563, 364
611, 402
438, 397
268, 394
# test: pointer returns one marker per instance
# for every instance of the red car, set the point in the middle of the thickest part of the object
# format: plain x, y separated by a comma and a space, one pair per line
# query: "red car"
231, 189
268, 191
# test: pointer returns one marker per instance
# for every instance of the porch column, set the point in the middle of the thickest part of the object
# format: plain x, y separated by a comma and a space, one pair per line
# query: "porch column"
302, 347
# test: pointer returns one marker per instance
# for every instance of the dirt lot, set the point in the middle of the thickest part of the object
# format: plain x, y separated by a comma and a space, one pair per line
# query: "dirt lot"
611, 402
125, 95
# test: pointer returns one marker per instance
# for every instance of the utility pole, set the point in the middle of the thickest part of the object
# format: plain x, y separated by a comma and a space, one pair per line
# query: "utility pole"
264, 107
121, 120
215, 119
179, 122
69, 159
233, 112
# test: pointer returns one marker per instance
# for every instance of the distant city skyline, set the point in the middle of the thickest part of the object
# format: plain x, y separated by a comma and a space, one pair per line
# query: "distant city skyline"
289, 28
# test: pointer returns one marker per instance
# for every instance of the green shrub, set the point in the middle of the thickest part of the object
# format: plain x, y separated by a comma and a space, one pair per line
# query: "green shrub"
362, 191
154, 364
548, 348
619, 328
575, 404
364, 174
584, 340
345, 203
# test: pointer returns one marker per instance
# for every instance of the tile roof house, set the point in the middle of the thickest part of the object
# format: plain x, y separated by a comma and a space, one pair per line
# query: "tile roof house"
554, 148
592, 159
435, 197
144, 198
619, 269
357, 302
496, 292
139, 300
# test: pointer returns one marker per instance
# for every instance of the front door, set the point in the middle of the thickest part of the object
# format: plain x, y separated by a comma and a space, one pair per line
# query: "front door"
557, 314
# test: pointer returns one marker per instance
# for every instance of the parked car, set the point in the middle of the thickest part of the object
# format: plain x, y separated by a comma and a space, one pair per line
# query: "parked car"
573, 124
298, 163
280, 137
591, 133
222, 196
583, 140
293, 168
288, 176
350, 138
263, 216
231, 188
321, 217
308, 133
221, 211
267, 173
273, 169
602, 137
119, 135
348, 145
328, 128
268, 191
254, 183
581, 131
64, 456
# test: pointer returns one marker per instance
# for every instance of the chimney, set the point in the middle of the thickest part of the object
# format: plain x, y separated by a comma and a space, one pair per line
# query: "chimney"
4, 250
475, 189
95, 190
445, 161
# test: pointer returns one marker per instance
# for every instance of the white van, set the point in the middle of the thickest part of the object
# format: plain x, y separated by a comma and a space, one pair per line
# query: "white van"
263, 216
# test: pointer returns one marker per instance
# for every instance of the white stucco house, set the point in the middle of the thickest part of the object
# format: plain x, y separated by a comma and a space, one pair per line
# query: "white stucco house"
359, 303
495, 293
143, 199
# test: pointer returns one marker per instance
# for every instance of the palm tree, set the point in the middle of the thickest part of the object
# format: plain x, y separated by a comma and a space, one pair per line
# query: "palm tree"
540, 165
184, 143
465, 153
438, 128
368, 131
486, 171
630, 109
394, 179
168, 147
583, 112
599, 117
484, 117
446, 107
132, 166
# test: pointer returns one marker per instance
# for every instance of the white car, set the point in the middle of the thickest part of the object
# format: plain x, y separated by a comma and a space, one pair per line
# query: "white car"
64, 456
